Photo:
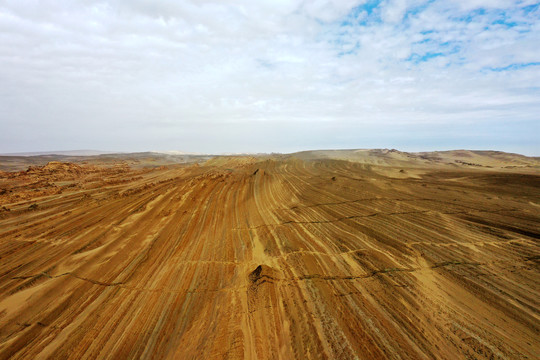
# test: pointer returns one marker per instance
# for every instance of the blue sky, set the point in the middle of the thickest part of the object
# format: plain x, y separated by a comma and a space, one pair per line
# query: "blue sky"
269, 75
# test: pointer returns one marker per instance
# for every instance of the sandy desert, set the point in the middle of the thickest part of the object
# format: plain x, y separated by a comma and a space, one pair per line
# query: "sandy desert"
346, 254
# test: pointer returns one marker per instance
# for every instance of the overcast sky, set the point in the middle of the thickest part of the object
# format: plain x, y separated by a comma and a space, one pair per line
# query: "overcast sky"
269, 75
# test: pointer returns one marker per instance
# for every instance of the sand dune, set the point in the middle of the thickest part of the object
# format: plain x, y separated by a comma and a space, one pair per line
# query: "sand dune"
312, 255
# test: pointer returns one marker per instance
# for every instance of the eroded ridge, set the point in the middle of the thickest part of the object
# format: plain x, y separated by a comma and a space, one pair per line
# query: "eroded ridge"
267, 258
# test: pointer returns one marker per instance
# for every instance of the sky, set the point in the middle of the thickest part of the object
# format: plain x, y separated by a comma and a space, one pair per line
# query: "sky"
269, 75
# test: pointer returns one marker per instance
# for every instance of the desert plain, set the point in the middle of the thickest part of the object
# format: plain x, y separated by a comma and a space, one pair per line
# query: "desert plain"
349, 254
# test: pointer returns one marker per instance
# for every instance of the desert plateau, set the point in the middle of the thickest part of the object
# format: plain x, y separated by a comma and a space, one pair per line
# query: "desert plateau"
270, 180
345, 254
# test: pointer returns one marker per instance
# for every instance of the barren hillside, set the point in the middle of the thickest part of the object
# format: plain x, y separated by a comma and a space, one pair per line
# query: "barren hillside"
300, 256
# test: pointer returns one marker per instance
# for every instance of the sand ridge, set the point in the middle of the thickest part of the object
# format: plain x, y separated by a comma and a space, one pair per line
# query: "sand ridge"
264, 258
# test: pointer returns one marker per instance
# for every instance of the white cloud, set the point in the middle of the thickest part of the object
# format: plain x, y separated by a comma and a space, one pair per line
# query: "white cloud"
490, 4
169, 74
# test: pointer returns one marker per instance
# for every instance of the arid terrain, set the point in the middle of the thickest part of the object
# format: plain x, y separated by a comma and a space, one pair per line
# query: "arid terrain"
346, 254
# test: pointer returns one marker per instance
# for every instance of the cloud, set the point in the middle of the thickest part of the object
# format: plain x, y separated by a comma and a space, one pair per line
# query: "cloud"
135, 75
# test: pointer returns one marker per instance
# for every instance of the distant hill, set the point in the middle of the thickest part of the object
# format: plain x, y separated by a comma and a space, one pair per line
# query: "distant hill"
377, 157
136, 160
60, 152
454, 158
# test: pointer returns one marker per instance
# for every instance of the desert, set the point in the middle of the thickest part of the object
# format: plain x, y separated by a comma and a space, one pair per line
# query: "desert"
344, 254
292, 179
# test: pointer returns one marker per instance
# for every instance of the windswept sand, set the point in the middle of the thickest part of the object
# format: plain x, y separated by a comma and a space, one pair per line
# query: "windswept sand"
267, 258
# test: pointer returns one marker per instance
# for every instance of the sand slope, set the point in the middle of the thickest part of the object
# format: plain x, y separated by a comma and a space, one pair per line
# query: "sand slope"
267, 258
